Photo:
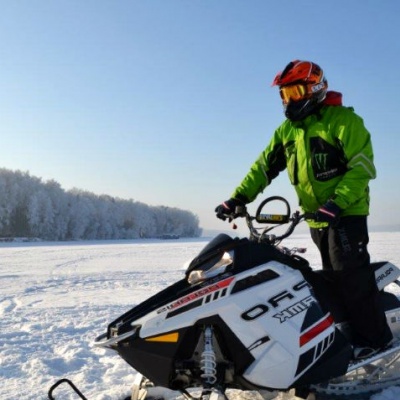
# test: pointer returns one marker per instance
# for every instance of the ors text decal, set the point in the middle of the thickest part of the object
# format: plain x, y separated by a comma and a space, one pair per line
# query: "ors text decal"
279, 300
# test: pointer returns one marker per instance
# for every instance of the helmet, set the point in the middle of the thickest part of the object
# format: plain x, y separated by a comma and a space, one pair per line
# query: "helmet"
302, 87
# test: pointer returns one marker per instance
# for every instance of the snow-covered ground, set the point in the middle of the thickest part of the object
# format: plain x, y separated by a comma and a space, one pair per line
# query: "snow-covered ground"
55, 298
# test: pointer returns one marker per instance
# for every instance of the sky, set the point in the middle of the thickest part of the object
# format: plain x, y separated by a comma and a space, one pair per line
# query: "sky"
169, 102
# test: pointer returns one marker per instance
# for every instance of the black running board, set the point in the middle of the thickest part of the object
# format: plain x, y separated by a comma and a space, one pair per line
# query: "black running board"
359, 363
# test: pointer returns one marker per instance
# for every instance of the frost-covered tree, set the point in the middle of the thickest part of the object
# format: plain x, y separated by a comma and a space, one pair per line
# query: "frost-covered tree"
31, 207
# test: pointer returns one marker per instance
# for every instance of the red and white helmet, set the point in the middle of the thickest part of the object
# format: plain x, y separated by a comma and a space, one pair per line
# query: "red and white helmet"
302, 86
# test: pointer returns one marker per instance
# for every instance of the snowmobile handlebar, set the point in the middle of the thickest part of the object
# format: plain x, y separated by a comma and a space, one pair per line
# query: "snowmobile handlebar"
260, 234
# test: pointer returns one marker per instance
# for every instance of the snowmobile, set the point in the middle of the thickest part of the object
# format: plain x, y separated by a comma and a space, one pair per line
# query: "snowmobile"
251, 314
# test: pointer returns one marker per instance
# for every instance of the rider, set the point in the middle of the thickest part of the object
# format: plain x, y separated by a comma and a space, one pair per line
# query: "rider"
328, 154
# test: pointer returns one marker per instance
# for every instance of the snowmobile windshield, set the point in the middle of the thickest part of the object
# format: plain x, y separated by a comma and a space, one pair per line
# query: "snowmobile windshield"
216, 254
214, 267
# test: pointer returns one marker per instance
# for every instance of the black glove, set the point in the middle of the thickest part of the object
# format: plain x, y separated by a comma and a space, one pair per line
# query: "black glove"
329, 213
228, 209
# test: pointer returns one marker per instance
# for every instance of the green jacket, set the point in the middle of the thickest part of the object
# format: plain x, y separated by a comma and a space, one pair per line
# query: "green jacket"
327, 156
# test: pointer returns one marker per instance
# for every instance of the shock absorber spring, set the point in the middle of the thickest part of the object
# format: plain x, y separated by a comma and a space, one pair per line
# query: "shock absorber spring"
208, 361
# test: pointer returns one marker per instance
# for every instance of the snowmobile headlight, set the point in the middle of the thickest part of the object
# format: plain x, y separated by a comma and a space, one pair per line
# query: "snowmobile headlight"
218, 268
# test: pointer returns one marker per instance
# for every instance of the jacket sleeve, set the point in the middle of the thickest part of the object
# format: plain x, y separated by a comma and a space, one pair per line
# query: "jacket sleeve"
268, 165
357, 146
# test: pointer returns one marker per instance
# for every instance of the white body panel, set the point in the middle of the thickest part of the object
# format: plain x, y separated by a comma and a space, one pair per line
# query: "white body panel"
275, 309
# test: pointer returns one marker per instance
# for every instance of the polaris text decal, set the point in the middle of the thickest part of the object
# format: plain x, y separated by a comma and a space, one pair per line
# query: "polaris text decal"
384, 274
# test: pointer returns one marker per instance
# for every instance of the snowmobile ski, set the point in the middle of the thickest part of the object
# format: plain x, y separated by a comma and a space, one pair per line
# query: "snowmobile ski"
68, 382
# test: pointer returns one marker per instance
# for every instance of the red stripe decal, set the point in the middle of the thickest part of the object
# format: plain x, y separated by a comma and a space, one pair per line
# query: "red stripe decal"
316, 330
202, 292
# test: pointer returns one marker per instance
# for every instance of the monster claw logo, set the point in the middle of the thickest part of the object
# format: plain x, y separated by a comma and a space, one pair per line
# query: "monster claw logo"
328, 160
321, 160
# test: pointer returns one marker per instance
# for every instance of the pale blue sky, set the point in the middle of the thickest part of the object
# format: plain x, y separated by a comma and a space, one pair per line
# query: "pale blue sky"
169, 102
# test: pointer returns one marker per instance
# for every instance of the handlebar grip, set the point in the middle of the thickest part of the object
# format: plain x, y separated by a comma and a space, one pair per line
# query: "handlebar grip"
309, 215
240, 211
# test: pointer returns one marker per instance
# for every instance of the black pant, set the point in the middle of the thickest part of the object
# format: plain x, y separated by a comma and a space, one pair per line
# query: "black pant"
344, 250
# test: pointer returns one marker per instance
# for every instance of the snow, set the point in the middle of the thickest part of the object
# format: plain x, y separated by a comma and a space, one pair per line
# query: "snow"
56, 298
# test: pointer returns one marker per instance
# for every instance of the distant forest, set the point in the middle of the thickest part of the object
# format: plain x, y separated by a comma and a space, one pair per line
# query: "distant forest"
32, 208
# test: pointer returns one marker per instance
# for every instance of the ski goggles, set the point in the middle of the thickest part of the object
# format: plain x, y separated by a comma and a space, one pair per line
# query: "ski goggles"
299, 91
293, 92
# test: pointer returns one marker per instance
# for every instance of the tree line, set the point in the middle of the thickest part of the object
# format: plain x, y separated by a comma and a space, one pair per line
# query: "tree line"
30, 207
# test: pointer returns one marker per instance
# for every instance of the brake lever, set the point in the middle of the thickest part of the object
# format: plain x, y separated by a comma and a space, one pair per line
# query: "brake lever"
240, 212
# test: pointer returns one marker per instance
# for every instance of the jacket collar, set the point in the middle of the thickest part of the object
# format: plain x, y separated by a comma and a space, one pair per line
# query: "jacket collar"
333, 99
